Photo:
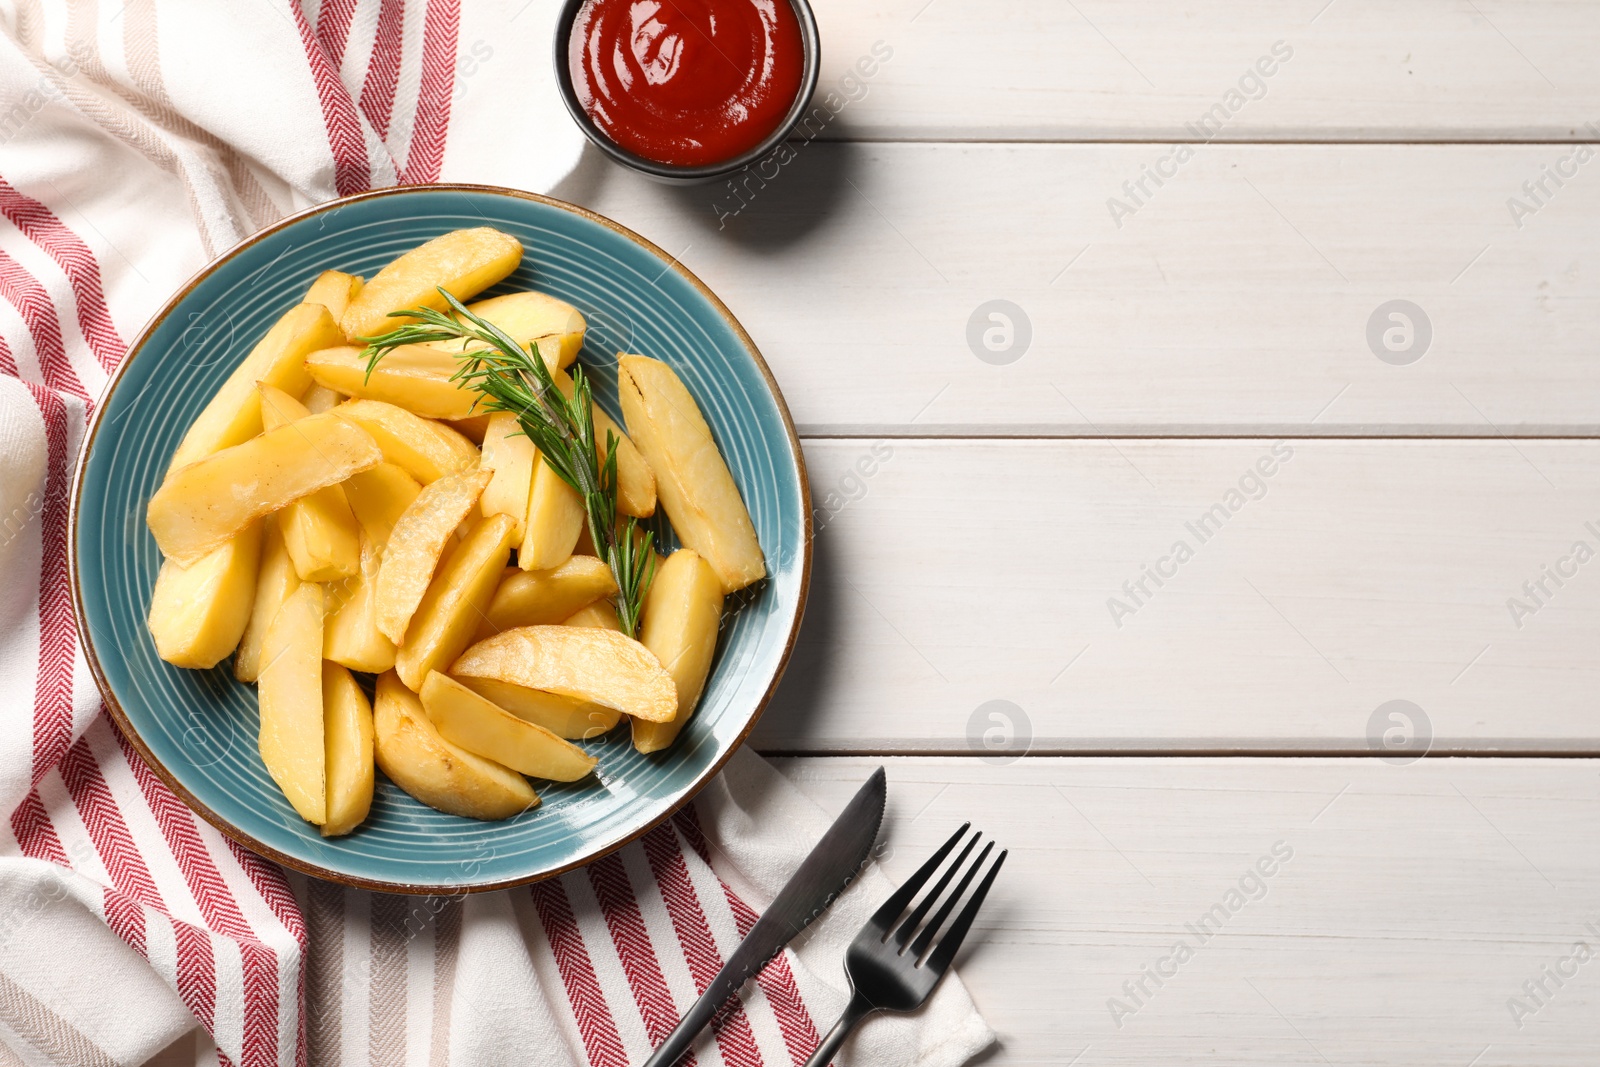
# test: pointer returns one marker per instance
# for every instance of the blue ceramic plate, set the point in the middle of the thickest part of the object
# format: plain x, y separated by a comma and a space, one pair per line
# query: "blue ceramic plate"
197, 729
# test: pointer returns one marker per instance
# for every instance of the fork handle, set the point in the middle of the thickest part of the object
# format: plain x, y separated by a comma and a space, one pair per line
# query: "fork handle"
858, 1008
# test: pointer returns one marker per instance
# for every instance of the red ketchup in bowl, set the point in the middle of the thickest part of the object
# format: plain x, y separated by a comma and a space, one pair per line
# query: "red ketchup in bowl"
686, 82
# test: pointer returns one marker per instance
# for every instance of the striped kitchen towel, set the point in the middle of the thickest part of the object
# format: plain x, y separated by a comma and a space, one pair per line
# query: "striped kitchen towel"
139, 138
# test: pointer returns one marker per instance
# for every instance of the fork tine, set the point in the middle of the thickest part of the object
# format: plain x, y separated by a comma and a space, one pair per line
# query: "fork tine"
909, 927
925, 938
883, 919
940, 960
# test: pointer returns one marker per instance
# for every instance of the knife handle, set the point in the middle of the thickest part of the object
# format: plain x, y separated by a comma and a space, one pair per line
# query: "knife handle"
694, 1020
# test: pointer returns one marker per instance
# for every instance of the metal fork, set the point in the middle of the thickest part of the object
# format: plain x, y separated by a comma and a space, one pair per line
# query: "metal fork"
886, 975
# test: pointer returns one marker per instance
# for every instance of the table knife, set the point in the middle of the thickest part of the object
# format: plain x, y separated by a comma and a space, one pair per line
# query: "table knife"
821, 877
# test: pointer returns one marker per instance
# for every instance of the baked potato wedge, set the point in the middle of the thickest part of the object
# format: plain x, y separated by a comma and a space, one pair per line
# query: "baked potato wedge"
411, 751
464, 263
351, 636
292, 736
682, 615
199, 612
233, 415
319, 398
599, 615
378, 497
692, 478
534, 598
562, 716
416, 545
414, 377
478, 725
636, 482
456, 600
510, 454
526, 317
318, 529
347, 729
554, 520
425, 449
597, 665
334, 290
472, 427
200, 506
275, 581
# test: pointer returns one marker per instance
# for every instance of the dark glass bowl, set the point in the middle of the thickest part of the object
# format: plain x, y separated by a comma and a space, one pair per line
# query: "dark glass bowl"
811, 62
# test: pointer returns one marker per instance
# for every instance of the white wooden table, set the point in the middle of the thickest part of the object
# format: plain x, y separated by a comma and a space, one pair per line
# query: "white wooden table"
983, 506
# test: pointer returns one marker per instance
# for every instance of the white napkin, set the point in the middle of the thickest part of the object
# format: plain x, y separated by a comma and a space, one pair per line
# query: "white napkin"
137, 141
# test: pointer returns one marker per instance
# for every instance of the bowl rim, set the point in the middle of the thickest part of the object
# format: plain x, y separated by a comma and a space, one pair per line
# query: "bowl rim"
810, 72
232, 832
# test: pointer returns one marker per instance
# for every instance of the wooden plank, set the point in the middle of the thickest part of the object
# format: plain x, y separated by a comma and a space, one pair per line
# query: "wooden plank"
1414, 903
953, 573
1100, 70
1236, 300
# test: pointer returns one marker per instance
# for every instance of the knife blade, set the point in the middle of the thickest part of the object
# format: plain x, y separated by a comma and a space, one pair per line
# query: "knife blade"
820, 878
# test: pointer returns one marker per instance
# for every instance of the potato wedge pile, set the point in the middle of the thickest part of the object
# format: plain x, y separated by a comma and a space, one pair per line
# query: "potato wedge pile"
404, 577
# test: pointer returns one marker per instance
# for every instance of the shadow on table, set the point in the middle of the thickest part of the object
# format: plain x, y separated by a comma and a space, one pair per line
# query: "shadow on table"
588, 179
766, 207
809, 678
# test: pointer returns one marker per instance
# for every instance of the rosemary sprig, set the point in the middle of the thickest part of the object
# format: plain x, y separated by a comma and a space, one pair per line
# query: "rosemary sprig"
561, 428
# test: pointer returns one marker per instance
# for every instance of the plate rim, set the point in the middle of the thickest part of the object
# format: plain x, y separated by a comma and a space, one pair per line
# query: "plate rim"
227, 829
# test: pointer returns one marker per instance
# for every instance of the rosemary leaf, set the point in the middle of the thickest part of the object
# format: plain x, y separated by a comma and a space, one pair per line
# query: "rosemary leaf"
561, 428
